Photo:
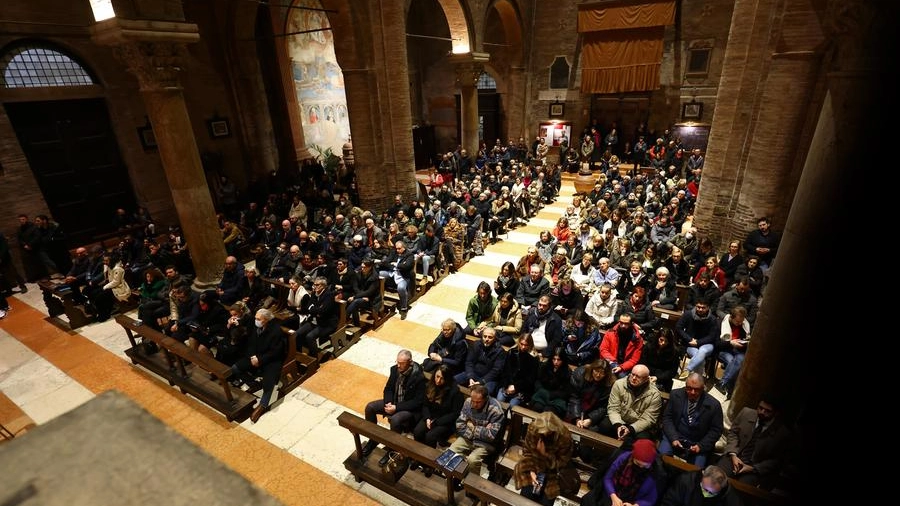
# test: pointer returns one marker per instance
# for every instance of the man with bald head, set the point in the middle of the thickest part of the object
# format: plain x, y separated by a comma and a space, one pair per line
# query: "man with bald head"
229, 289
634, 407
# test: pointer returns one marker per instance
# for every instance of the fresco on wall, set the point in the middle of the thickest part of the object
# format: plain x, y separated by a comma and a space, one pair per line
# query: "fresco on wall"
318, 79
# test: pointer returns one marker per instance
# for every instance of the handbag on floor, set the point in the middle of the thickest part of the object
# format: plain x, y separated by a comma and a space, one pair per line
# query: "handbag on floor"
395, 467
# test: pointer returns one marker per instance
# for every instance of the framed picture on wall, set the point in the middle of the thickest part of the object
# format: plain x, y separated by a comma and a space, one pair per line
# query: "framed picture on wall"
145, 134
692, 111
218, 127
557, 110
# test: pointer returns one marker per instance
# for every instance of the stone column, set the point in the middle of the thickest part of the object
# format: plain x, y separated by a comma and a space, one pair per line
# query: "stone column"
469, 68
791, 354
155, 52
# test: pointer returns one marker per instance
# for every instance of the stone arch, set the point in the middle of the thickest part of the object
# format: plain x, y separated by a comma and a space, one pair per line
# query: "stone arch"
459, 20
511, 21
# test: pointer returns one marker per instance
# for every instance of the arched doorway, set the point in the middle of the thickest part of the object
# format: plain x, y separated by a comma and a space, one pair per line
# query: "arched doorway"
69, 143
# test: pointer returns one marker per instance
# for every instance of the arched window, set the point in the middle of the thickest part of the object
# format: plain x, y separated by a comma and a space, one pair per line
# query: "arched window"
35, 65
486, 82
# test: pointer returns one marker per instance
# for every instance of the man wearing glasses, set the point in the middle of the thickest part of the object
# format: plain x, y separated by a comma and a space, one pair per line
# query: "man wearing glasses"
634, 407
322, 321
401, 404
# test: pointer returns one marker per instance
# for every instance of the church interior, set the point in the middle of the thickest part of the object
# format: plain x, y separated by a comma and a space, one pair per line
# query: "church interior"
163, 105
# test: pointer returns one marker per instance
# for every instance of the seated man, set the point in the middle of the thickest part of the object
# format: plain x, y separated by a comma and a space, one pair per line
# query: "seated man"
449, 348
365, 292
479, 428
634, 407
484, 362
621, 345
77, 275
401, 404
532, 287
322, 313
691, 422
229, 289
697, 331
545, 326
757, 444
264, 357
480, 308
398, 267
732, 348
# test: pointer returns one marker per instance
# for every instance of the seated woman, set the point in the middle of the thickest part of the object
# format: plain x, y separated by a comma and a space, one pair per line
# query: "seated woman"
581, 338
507, 281
583, 274
754, 274
252, 289
553, 383
541, 473
546, 245
634, 276
663, 293
237, 330
208, 324
499, 216
638, 305
716, 274
297, 301
506, 320
662, 357
631, 479
591, 385
443, 402
154, 298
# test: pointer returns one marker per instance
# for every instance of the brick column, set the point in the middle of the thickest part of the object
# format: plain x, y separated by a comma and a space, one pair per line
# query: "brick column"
469, 68
791, 335
378, 102
155, 53
768, 74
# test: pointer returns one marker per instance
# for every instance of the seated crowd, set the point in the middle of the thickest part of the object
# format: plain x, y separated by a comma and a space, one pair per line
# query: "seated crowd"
572, 329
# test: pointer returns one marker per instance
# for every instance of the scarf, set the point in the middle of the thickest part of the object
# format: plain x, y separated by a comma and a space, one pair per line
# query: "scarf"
627, 480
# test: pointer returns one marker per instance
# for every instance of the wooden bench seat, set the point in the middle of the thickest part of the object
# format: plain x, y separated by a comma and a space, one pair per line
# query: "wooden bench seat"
488, 492
58, 299
413, 487
187, 369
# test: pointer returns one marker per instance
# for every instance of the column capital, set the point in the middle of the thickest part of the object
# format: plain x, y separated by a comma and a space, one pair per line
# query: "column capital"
469, 67
154, 51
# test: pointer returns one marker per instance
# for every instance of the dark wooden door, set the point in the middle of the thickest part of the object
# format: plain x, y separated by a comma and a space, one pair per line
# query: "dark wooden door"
72, 150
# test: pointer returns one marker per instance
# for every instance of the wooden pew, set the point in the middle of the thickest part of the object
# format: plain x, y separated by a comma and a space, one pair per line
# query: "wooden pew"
521, 417
297, 367
668, 318
750, 495
413, 487
488, 492
58, 298
171, 363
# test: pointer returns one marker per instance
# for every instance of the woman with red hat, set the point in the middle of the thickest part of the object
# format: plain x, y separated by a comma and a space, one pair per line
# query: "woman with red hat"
630, 480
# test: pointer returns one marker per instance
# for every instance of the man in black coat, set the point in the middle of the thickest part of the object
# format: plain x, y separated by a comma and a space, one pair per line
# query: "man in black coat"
365, 292
691, 422
265, 356
398, 266
404, 396
324, 314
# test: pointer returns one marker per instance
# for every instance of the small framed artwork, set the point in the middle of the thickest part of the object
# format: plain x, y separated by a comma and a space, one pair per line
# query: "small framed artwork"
557, 110
218, 128
692, 111
145, 134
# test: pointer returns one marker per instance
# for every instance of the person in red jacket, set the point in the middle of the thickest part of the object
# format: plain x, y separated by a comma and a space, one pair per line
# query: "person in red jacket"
621, 345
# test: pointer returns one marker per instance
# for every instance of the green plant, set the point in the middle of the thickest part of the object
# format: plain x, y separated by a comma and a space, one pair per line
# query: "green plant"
327, 158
